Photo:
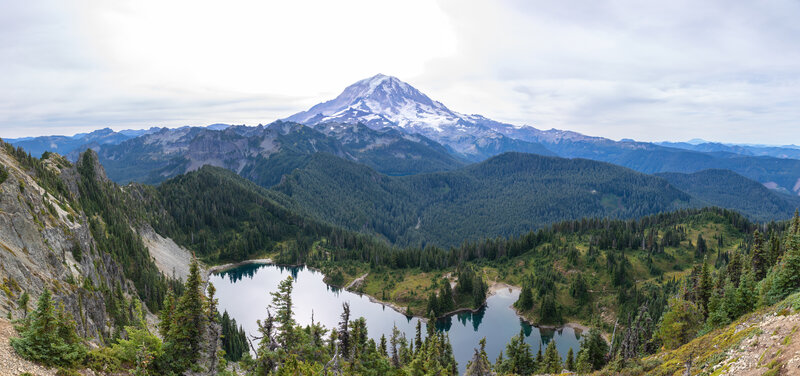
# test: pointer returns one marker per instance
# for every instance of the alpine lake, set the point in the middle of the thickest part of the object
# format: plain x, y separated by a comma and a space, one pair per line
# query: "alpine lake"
244, 291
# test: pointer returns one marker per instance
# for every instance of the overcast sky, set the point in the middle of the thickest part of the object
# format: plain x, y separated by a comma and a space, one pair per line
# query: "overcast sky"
670, 70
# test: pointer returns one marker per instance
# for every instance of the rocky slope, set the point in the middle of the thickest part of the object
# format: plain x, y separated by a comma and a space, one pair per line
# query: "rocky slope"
45, 242
10, 362
766, 342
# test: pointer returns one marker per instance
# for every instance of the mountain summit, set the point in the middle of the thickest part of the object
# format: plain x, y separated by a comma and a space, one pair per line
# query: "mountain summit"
381, 101
385, 101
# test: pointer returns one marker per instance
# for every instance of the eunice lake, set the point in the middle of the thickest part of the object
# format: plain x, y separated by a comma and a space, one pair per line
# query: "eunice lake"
244, 293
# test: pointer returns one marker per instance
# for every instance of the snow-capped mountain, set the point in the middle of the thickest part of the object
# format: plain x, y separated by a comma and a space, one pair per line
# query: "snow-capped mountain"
385, 101
381, 101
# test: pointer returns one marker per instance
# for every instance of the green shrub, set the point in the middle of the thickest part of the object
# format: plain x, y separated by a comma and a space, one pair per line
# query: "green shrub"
48, 336
103, 360
3, 174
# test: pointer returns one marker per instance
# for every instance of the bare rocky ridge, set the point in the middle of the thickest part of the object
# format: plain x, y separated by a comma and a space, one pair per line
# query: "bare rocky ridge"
46, 242
38, 234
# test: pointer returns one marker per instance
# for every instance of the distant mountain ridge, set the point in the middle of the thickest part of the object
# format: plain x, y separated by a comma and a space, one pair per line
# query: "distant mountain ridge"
264, 153
394, 128
384, 101
66, 144
787, 151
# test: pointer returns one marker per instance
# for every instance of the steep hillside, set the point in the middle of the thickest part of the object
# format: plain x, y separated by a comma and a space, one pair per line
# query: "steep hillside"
504, 196
766, 342
47, 240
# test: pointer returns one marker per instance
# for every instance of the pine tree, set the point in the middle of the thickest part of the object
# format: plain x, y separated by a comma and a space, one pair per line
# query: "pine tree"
284, 314
700, 248
382, 346
584, 364
704, 287
182, 343
594, 348
746, 298
479, 365
552, 360
680, 323
48, 336
344, 330
446, 303
759, 257
734, 269
418, 336
519, 357
165, 315
525, 301
22, 303
569, 364
787, 273
433, 305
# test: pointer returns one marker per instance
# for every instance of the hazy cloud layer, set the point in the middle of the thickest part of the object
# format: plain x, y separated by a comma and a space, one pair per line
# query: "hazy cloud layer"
719, 70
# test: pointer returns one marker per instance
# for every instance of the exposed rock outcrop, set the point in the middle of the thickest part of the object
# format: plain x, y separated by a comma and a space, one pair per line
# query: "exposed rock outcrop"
46, 242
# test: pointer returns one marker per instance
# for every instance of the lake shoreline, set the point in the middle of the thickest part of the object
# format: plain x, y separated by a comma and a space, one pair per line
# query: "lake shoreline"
229, 266
494, 288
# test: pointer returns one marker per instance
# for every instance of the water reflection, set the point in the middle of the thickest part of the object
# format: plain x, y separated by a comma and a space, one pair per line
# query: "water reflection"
244, 293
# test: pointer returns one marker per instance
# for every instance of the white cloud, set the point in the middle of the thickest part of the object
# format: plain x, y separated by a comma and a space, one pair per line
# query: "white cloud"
140, 63
718, 70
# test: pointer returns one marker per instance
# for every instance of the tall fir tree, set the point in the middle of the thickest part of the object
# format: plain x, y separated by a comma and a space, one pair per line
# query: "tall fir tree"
759, 257
284, 314
182, 343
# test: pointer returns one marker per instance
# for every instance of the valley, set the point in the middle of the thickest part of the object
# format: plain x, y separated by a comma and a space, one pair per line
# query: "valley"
457, 244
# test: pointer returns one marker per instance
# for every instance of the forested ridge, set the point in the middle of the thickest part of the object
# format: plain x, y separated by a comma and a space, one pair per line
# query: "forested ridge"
504, 196
728, 189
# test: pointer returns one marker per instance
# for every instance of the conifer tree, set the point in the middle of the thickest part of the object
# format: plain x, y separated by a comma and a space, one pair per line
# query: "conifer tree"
525, 301
734, 269
552, 360
704, 287
479, 365
22, 303
165, 315
182, 343
569, 364
418, 336
284, 314
759, 257
787, 273
700, 247
382, 346
584, 364
48, 336
680, 323
519, 359
446, 303
433, 305
344, 330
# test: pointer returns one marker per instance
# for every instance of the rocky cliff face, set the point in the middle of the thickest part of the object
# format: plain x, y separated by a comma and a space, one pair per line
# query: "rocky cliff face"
45, 242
